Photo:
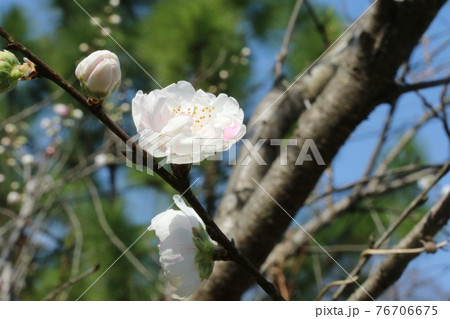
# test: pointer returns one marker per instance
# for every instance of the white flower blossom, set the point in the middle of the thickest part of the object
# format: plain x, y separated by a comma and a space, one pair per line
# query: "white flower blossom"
13, 197
99, 74
185, 249
185, 125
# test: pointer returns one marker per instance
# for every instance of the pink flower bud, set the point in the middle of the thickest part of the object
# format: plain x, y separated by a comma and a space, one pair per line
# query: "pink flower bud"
99, 74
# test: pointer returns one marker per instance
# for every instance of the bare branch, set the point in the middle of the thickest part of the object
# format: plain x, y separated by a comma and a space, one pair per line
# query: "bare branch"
30, 110
334, 284
428, 247
394, 265
281, 56
112, 236
419, 200
52, 295
423, 85
319, 25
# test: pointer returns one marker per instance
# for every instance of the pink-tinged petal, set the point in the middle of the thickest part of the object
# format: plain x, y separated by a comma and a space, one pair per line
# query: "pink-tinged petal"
231, 131
99, 73
185, 115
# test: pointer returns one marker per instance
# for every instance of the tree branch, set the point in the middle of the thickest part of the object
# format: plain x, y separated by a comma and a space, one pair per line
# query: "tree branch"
394, 265
281, 56
364, 77
297, 239
423, 85
179, 185
52, 295
418, 201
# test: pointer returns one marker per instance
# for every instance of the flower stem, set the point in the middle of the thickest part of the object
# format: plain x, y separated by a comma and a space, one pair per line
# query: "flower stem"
176, 182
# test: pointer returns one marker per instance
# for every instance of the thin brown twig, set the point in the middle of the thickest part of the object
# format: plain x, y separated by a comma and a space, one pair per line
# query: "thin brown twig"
401, 171
434, 112
115, 240
333, 284
30, 110
396, 149
393, 266
329, 187
52, 295
179, 185
356, 192
419, 200
319, 25
296, 240
444, 113
286, 40
423, 85
405, 250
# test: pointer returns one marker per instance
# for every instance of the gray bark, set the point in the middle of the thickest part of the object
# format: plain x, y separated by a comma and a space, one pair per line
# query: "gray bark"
357, 75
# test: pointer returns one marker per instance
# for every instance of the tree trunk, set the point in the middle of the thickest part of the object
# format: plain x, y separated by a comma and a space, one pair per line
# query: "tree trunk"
344, 87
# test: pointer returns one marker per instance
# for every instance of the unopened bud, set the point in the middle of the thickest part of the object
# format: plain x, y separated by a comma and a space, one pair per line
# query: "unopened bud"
9, 71
99, 74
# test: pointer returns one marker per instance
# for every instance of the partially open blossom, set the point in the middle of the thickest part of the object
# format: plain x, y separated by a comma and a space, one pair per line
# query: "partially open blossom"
185, 249
9, 71
99, 74
185, 125
28, 69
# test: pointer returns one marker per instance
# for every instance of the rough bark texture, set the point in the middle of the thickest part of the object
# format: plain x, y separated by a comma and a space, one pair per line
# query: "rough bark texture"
393, 266
364, 64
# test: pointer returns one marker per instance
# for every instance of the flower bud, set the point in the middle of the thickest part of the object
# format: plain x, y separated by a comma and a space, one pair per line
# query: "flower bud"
9, 71
99, 74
